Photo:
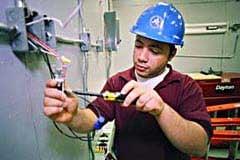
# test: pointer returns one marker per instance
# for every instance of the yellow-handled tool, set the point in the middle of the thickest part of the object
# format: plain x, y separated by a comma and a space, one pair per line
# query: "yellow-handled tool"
107, 95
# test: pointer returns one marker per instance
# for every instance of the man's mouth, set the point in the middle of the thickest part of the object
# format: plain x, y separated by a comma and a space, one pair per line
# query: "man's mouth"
140, 68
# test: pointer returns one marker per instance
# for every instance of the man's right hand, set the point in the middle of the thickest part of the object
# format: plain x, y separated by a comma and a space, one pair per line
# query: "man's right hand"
57, 105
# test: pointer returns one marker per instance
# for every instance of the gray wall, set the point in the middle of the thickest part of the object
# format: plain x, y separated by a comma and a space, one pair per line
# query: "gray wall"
26, 133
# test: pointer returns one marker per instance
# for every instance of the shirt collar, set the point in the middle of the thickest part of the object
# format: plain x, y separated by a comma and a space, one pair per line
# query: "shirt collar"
172, 76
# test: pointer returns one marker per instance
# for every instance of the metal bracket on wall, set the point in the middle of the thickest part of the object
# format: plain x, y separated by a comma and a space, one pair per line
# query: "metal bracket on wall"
15, 19
85, 46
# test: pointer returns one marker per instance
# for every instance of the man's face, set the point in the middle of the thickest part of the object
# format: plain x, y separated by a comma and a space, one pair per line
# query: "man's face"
150, 57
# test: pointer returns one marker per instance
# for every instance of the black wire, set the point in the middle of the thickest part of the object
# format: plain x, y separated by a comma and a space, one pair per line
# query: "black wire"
82, 138
46, 59
49, 66
69, 136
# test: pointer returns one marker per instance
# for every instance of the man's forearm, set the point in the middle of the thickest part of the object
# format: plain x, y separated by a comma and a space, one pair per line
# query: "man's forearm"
187, 136
83, 121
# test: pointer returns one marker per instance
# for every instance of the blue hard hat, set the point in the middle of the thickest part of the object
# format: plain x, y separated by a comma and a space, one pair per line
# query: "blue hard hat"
161, 22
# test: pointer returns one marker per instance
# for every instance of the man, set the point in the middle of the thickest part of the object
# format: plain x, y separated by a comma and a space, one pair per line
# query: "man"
163, 115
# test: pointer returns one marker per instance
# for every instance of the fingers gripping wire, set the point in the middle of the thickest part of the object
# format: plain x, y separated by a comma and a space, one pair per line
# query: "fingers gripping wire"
74, 134
52, 74
108, 96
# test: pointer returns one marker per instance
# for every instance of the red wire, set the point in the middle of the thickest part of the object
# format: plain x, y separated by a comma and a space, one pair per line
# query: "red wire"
49, 50
41, 43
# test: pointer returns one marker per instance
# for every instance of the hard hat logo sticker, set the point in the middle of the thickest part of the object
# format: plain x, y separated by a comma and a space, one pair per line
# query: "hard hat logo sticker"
156, 22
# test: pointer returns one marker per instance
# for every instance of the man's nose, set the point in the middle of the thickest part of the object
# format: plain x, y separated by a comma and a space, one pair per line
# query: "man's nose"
143, 55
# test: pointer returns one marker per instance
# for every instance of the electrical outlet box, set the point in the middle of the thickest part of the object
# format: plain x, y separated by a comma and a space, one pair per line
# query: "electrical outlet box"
85, 45
99, 47
43, 29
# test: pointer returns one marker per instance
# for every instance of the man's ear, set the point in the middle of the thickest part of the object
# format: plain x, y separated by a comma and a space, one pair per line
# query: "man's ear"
172, 54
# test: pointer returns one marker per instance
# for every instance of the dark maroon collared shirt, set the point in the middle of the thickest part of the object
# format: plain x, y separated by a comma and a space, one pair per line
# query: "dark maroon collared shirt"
138, 135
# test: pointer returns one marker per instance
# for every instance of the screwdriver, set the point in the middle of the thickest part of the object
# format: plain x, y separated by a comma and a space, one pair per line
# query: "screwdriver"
107, 95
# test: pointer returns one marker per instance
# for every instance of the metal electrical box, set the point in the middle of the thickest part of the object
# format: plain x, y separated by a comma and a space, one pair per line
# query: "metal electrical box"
110, 28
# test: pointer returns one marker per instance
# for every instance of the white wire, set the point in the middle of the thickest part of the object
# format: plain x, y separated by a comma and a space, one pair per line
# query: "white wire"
50, 53
62, 24
70, 17
46, 18
81, 20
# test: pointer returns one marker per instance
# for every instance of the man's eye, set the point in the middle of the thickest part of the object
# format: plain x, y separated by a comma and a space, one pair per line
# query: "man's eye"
155, 50
138, 46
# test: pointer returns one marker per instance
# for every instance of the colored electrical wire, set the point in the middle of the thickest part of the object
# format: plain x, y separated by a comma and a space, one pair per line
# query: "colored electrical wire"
42, 44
